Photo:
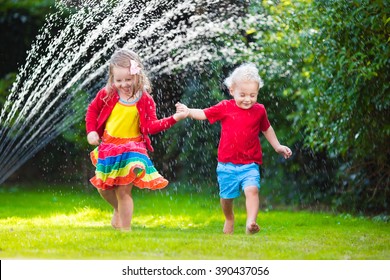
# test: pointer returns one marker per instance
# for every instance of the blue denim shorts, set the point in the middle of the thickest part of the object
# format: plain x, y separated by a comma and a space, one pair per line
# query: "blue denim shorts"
232, 178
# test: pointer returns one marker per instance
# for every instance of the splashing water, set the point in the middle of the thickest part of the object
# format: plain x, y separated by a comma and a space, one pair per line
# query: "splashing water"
45, 99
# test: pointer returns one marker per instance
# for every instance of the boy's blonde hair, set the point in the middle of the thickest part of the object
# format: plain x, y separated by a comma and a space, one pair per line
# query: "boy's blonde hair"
245, 72
122, 58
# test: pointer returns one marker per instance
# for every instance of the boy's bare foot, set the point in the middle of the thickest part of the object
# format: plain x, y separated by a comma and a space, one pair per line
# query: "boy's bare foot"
228, 227
252, 228
115, 220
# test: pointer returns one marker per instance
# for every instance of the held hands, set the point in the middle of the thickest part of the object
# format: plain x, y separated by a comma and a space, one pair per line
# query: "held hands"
93, 138
284, 151
182, 111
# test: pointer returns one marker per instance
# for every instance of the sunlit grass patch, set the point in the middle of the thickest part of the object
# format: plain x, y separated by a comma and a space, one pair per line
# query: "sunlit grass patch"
82, 217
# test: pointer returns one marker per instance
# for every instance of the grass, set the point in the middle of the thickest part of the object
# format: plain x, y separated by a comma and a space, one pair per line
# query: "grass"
74, 224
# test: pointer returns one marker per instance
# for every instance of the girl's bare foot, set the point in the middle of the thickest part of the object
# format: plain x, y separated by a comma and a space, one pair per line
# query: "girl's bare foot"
228, 227
115, 220
252, 228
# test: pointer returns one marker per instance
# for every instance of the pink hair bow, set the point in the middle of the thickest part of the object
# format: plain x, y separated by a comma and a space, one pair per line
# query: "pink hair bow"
134, 67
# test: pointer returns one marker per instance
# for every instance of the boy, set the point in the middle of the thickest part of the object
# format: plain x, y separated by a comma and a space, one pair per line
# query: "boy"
239, 150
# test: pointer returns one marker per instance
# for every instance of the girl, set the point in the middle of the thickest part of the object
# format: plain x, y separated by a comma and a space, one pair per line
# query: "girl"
119, 120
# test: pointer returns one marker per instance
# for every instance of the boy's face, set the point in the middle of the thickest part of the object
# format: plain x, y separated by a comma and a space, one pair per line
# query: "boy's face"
245, 93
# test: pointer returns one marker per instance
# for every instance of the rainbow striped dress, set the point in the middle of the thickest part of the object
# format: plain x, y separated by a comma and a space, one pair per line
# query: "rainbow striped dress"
121, 158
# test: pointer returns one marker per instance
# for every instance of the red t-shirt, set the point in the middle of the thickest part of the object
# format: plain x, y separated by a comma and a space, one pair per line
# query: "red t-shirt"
240, 142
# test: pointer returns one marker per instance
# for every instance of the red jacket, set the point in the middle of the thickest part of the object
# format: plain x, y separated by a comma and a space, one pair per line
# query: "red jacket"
99, 111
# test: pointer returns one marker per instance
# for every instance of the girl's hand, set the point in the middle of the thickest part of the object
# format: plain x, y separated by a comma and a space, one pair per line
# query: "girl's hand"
93, 138
284, 151
182, 111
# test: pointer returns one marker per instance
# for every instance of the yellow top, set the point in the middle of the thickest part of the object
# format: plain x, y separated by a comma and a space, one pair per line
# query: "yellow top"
123, 122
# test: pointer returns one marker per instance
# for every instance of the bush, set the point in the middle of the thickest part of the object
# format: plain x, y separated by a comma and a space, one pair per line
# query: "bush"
330, 60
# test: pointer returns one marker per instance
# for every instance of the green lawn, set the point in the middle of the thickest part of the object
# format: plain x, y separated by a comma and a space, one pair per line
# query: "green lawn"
74, 224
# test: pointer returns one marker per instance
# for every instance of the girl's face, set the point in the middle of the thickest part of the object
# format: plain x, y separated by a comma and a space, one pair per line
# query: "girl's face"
245, 93
123, 81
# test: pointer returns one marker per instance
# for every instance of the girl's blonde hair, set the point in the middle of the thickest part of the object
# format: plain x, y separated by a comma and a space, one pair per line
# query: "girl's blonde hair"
122, 58
245, 72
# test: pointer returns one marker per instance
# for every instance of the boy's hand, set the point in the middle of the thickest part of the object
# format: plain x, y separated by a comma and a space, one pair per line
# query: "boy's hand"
284, 151
182, 111
93, 138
